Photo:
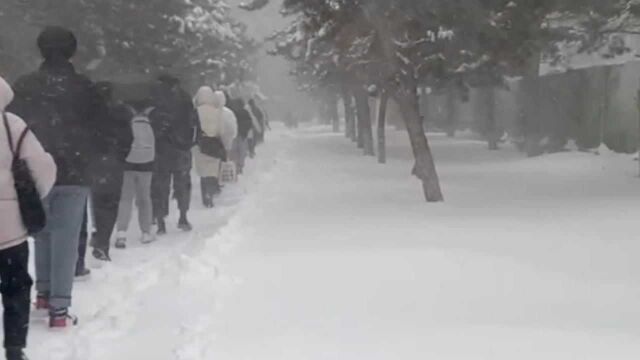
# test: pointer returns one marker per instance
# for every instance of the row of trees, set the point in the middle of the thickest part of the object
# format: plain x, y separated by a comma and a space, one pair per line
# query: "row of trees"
196, 39
391, 48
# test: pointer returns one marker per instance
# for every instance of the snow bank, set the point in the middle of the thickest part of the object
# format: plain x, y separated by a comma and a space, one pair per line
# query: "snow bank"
153, 301
528, 259
323, 254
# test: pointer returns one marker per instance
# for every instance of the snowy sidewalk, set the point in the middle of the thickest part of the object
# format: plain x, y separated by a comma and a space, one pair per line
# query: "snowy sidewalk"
339, 258
321, 254
154, 301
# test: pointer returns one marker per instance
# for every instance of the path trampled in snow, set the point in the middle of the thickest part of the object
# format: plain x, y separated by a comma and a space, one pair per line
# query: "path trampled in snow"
321, 254
154, 301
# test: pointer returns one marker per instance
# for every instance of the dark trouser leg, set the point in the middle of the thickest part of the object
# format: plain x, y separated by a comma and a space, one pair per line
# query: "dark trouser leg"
204, 190
15, 289
216, 186
82, 245
252, 147
210, 188
106, 213
182, 191
160, 194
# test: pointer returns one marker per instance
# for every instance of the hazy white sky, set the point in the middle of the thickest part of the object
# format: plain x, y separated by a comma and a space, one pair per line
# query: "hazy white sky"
273, 72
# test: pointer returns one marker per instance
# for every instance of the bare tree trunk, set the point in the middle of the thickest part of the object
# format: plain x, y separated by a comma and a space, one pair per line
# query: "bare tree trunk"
491, 128
451, 111
606, 104
349, 114
333, 112
382, 122
406, 98
425, 168
529, 107
359, 119
365, 131
638, 105
359, 127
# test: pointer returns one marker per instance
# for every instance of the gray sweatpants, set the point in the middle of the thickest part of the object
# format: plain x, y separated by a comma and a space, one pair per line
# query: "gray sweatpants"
136, 185
239, 152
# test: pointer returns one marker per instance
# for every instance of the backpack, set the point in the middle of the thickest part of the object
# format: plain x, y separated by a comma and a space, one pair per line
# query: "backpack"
143, 148
30, 204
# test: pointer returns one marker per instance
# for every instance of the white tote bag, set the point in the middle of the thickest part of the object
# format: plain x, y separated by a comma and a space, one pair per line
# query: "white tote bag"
228, 172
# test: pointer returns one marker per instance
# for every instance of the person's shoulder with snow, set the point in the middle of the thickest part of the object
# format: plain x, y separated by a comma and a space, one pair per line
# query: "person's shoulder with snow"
210, 107
230, 125
41, 164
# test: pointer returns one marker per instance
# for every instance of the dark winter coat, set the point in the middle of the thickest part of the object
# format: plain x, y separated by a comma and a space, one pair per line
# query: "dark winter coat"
259, 115
65, 110
245, 123
175, 122
114, 132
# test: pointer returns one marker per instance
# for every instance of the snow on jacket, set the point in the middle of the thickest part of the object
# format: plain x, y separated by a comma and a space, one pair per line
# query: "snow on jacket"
245, 122
258, 117
215, 121
230, 131
41, 164
256, 126
64, 110
175, 124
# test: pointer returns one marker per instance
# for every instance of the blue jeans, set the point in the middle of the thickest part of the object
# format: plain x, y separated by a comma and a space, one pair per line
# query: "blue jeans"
56, 250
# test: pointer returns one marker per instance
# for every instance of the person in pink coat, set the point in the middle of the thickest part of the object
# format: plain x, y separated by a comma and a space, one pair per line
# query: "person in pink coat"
14, 250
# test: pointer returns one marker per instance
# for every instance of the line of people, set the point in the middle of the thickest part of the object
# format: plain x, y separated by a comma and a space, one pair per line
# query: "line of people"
94, 154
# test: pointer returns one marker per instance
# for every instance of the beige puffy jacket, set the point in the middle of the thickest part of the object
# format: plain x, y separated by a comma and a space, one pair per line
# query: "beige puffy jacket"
41, 164
216, 120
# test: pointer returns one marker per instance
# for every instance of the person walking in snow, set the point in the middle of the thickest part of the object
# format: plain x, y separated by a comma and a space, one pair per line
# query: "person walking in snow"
14, 249
136, 183
82, 272
108, 170
240, 149
259, 126
176, 126
217, 130
62, 108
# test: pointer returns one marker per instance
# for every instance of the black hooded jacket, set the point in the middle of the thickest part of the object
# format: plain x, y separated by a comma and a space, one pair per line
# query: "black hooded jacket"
175, 122
245, 123
65, 111
63, 108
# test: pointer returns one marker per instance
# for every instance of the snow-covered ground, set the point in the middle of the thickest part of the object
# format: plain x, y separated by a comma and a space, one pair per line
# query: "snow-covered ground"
323, 254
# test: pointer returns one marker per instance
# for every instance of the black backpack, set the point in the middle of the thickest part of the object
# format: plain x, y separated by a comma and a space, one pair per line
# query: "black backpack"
32, 210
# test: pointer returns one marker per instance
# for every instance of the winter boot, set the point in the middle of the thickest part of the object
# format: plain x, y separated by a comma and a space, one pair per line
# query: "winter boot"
15, 354
42, 302
162, 227
147, 238
183, 223
121, 240
101, 255
61, 319
209, 202
217, 189
82, 274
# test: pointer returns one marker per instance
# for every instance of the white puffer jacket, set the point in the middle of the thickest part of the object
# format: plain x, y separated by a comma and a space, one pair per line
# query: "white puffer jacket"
216, 120
41, 164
